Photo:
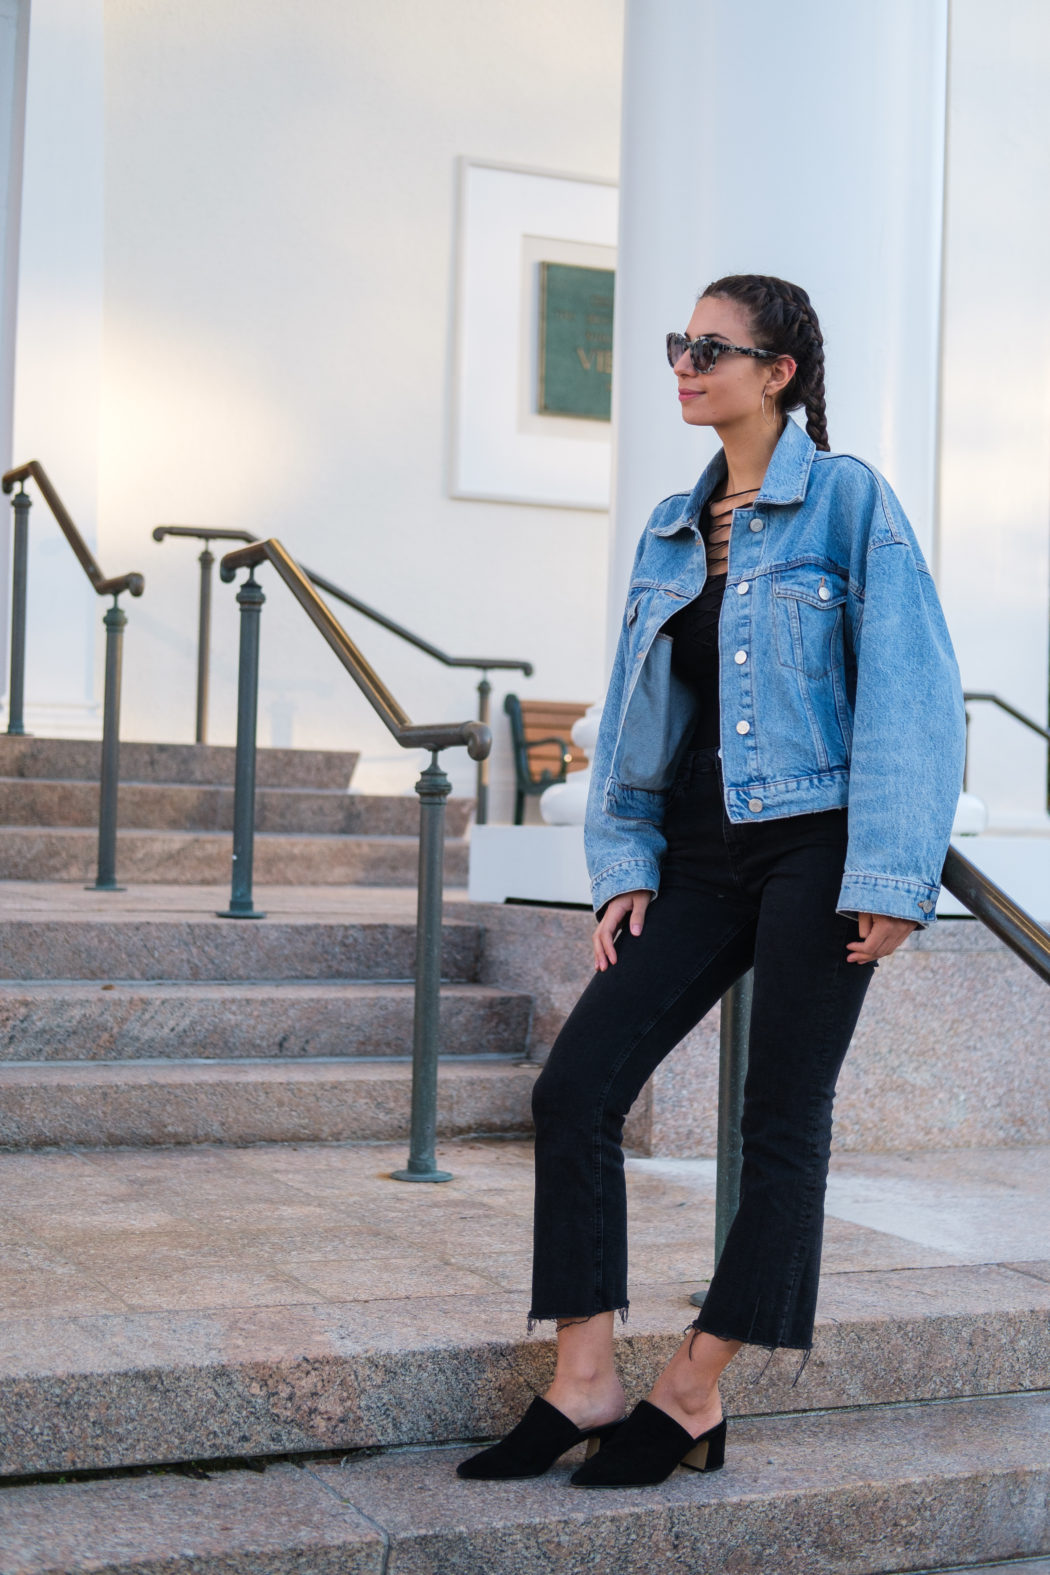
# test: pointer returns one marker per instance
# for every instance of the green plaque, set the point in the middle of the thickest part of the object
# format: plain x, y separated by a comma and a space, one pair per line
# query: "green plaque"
576, 337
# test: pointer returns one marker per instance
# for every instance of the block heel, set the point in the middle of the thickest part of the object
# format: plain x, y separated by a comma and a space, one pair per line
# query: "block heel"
647, 1447
709, 1451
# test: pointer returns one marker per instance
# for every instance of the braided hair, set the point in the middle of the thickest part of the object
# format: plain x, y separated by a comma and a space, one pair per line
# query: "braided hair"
782, 319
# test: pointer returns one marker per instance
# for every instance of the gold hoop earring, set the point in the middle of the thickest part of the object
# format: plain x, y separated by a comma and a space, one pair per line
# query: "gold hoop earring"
769, 422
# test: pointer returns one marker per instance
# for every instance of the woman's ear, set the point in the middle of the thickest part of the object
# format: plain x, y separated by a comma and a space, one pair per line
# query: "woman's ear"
781, 371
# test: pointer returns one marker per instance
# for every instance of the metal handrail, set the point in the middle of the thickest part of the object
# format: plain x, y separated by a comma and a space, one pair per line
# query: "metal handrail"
114, 623
1011, 710
1018, 716
482, 664
474, 735
134, 583
998, 912
204, 533
433, 788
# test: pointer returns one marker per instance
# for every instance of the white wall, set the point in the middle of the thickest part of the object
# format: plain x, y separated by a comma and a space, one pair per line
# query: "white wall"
279, 259
58, 354
995, 484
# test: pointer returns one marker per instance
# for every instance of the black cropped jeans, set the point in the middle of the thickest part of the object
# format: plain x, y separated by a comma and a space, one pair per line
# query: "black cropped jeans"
731, 896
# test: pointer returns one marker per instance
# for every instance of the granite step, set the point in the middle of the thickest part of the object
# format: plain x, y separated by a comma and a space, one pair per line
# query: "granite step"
89, 1390
159, 806
204, 858
103, 1104
133, 1020
851, 1493
87, 946
69, 759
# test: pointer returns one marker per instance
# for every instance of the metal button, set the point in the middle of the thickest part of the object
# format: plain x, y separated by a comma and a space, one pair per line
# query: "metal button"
743, 727
740, 658
754, 805
824, 593
757, 524
743, 588
926, 906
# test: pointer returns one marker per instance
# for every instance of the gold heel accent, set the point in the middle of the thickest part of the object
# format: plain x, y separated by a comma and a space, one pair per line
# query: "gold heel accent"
696, 1459
594, 1443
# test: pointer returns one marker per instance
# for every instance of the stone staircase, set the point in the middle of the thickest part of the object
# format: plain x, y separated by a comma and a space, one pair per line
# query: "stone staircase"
124, 1025
229, 1345
176, 815
314, 1424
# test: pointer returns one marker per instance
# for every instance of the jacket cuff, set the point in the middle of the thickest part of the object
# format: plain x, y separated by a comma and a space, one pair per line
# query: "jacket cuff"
890, 895
625, 875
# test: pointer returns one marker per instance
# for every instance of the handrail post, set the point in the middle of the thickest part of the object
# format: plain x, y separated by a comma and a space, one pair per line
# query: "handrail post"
114, 622
206, 561
733, 1033
21, 503
481, 812
433, 788
250, 600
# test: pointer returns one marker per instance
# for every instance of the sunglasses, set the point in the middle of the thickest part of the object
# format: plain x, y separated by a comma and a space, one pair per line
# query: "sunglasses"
704, 352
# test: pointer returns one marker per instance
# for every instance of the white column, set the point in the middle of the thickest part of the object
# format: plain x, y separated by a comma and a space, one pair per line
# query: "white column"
58, 355
995, 485
802, 140
14, 34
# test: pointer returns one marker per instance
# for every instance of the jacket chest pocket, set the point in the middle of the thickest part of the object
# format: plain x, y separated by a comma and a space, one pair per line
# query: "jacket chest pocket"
808, 610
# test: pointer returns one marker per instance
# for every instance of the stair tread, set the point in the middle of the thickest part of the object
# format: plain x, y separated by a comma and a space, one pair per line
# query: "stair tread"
847, 1493
251, 989
214, 1301
59, 759
266, 1069
395, 839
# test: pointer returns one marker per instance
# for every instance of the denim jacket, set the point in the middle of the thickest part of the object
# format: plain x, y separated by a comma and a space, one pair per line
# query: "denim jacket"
838, 683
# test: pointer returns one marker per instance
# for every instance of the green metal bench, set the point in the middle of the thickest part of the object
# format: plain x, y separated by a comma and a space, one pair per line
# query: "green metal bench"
544, 753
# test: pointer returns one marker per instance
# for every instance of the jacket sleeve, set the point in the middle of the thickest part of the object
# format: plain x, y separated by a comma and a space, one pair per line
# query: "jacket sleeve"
909, 734
624, 850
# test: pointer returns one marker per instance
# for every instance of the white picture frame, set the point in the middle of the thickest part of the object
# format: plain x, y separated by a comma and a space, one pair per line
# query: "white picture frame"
511, 220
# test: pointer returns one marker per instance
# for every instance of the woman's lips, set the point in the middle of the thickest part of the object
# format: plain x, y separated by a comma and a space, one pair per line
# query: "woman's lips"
690, 393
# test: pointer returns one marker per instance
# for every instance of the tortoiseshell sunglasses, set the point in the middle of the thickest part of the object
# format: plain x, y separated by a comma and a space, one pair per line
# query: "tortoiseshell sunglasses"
704, 352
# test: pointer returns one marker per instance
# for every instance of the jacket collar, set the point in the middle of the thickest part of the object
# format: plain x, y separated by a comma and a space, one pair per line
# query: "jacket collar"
785, 480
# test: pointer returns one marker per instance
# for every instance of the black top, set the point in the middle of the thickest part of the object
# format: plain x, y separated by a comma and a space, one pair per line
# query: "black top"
694, 656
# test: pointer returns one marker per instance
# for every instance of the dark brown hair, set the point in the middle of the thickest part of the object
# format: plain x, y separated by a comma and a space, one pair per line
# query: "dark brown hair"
782, 319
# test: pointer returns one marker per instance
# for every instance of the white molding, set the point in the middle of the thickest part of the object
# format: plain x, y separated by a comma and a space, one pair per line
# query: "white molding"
494, 454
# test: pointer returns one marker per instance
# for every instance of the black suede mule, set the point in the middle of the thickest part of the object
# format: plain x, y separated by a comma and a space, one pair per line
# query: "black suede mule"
646, 1448
534, 1445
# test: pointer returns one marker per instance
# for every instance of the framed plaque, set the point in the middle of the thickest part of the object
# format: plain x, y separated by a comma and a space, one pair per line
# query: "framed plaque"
533, 338
576, 336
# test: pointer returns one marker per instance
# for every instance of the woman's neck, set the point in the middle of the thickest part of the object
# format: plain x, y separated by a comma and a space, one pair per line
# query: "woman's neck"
748, 450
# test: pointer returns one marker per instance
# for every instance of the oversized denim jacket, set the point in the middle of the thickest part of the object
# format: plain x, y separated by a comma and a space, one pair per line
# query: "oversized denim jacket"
838, 683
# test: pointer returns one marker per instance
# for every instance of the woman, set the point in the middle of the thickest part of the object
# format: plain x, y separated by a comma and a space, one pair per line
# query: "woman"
778, 766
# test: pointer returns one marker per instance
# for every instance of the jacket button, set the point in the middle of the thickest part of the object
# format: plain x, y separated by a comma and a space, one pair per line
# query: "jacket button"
740, 658
743, 727
926, 906
754, 805
743, 588
758, 525
824, 594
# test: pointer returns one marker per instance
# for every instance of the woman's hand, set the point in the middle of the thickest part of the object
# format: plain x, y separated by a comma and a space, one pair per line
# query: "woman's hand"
879, 935
612, 920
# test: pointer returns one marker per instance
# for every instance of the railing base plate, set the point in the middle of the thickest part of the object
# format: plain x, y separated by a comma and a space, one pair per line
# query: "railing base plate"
98, 885
239, 913
421, 1175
